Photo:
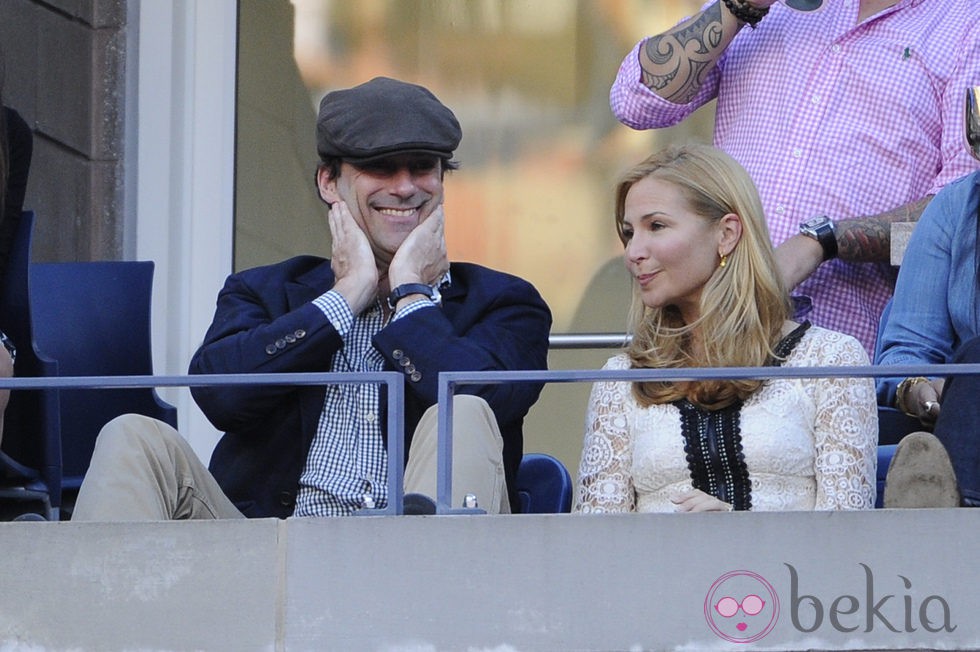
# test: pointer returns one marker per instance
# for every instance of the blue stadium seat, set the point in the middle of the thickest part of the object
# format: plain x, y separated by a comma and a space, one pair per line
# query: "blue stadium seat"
71, 319
544, 485
93, 319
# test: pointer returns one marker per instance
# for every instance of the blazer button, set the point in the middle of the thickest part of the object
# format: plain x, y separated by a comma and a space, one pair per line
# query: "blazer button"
271, 349
416, 377
299, 333
286, 499
410, 369
290, 338
405, 361
397, 354
280, 344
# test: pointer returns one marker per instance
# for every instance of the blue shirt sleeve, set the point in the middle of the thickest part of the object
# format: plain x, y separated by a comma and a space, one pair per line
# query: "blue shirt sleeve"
933, 302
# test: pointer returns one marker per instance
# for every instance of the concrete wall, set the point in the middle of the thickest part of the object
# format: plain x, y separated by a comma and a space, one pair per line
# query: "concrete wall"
888, 579
66, 74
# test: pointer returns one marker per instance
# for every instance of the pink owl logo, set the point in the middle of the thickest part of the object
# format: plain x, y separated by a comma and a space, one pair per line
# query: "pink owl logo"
741, 607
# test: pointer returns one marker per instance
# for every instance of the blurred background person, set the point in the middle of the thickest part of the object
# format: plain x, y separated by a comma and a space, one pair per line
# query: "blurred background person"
847, 118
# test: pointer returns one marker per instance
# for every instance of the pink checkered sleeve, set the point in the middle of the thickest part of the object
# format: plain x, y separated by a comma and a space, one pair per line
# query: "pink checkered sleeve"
638, 107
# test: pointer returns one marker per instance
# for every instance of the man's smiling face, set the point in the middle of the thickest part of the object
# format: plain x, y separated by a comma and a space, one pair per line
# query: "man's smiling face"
388, 197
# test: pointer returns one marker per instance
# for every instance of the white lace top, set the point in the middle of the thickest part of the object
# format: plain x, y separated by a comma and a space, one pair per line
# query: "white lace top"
809, 443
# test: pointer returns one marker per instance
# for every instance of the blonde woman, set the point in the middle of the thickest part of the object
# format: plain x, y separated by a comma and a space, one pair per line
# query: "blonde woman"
707, 294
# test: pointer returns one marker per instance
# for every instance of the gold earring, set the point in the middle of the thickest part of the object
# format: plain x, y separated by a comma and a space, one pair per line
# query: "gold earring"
724, 260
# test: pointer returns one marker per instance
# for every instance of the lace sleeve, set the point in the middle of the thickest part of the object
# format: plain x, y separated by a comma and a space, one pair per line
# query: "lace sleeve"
846, 430
605, 481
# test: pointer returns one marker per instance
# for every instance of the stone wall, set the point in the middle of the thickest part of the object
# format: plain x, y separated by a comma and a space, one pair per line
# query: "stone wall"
65, 64
873, 580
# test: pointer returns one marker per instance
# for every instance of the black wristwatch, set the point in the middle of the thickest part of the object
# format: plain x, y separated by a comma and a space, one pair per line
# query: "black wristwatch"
406, 289
822, 229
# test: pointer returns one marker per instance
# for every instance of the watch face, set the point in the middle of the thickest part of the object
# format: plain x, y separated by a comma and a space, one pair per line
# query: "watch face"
821, 228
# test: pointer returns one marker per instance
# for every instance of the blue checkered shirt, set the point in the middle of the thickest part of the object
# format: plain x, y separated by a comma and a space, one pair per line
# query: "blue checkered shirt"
347, 466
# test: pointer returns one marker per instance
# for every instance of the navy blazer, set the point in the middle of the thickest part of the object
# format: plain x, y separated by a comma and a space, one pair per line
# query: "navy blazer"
488, 321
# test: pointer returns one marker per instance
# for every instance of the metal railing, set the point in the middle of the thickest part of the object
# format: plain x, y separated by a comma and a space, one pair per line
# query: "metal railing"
449, 382
393, 380
562, 341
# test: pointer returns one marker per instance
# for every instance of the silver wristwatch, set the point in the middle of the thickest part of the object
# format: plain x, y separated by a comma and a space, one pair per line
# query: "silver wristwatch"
822, 229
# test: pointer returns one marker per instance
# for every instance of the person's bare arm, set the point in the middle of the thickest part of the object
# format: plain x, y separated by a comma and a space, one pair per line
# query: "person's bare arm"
859, 240
675, 62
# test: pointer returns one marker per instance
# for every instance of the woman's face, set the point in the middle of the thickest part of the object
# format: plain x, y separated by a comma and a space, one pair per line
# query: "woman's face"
670, 251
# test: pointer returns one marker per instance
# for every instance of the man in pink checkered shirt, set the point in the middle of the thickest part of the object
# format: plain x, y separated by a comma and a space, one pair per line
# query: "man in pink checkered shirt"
852, 111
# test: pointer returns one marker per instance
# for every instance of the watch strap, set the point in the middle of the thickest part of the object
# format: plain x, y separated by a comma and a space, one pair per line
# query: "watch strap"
822, 230
406, 289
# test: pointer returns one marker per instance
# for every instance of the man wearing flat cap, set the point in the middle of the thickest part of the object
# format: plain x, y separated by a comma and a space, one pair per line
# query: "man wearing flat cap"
388, 299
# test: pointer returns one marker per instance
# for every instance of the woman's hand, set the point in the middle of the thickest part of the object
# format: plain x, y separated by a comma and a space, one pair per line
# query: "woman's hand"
695, 500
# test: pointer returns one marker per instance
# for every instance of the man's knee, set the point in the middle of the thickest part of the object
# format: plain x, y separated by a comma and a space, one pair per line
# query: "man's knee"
464, 405
134, 430
469, 404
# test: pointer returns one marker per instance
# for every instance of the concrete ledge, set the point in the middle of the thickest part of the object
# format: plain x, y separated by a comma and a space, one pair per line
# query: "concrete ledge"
152, 586
873, 580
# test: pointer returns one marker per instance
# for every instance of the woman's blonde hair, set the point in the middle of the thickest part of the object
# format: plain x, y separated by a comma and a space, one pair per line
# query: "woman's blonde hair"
744, 303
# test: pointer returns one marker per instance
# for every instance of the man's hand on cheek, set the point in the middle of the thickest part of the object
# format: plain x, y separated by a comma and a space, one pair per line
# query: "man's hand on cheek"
351, 259
422, 257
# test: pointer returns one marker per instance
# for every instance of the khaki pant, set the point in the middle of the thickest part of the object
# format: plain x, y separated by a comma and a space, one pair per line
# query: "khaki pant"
142, 469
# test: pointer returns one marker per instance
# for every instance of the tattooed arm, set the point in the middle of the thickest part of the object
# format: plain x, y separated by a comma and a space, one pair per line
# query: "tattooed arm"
859, 240
675, 63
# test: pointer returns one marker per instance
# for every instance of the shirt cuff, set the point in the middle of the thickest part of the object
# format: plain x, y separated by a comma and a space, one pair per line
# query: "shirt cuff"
414, 306
336, 310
